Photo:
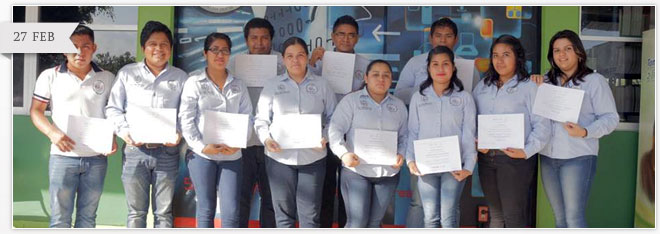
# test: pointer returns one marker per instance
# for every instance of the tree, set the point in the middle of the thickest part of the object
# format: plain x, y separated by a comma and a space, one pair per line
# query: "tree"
113, 63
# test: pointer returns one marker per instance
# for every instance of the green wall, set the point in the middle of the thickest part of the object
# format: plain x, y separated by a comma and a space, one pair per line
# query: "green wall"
612, 198
164, 14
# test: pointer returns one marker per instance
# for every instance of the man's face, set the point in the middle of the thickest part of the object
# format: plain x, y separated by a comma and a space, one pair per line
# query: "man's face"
345, 37
86, 49
259, 41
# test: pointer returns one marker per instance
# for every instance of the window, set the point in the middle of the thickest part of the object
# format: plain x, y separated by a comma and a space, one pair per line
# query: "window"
612, 39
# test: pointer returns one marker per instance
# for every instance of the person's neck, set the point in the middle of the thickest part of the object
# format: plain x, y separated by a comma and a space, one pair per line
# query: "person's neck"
378, 98
81, 73
298, 78
440, 88
348, 52
217, 76
156, 70
504, 79
567, 74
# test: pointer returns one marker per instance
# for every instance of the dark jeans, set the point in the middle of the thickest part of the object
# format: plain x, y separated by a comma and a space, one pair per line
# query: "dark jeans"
506, 183
254, 172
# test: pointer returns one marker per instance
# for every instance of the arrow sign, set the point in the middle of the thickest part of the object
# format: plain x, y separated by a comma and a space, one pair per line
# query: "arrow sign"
376, 33
37, 38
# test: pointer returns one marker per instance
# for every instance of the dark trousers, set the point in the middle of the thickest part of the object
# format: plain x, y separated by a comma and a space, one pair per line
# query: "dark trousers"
254, 172
506, 184
332, 189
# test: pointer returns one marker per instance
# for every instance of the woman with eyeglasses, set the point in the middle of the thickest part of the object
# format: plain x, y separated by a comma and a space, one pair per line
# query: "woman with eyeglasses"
295, 175
213, 167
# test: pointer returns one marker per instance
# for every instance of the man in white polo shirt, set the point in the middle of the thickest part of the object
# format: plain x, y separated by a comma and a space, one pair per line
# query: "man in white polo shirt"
77, 87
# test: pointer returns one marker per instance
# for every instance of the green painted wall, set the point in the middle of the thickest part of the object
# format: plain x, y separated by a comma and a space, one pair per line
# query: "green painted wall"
164, 14
612, 198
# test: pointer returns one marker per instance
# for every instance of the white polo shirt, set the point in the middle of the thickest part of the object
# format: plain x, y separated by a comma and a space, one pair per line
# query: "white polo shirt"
68, 95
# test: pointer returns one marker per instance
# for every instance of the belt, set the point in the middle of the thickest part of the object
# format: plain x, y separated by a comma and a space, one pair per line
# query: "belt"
153, 146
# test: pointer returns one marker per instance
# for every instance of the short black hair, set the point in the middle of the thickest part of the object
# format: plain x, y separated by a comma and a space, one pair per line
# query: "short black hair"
293, 41
258, 23
444, 22
84, 30
345, 19
152, 27
216, 36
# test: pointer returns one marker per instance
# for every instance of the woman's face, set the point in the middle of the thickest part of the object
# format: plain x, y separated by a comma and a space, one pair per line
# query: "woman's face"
378, 79
218, 54
295, 59
564, 56
504, 60
441, 68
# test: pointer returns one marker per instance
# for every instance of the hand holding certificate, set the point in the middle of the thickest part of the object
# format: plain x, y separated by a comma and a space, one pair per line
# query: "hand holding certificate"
376, 147
90, 134
255, 69
297, 131
225, 128
152, 125
338, 70
558, 103
437, 155
501, 131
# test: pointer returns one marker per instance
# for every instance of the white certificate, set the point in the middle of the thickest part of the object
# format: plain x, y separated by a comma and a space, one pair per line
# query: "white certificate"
375, 147
338, 70
558, 103
465, 72
254, 69
501, 131
152, 125
90, 134
296, 131
226, 128
437, 155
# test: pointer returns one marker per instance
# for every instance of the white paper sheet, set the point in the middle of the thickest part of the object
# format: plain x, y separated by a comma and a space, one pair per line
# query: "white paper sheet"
375, 147
227, 128
255, 69
297, 131
558, 103
152, 125
338, 70
90, 134
501, 131
437, 155
465, 73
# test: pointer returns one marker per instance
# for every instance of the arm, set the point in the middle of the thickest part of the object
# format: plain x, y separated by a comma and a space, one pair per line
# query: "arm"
339, 125
468, 146
607, 117
540, 134
188, 109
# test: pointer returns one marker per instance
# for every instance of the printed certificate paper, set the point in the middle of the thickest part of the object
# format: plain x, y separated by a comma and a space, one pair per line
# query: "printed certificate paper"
501, 131
152, 125
375, 147
90, 134
437, 155
297, 131
225, 128
558, 103
255, 69
338, 70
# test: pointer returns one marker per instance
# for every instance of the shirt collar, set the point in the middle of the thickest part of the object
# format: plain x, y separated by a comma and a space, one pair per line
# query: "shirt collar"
64, 69
308, 76
364, 92
146, 68
204, 76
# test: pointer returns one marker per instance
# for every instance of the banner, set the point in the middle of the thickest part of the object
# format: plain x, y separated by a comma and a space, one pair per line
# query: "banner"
645, 198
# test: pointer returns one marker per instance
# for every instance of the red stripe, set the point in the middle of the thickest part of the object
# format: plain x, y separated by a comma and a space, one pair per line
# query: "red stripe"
39, 100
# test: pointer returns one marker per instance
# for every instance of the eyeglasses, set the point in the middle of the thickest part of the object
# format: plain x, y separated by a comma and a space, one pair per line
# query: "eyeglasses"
344, 35
216, 51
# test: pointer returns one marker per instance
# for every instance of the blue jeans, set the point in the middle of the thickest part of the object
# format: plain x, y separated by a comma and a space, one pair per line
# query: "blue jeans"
75, 177
254, 172
567, 183
212, 180
366, 199
296, 190
149, 169
415, 217
440, 194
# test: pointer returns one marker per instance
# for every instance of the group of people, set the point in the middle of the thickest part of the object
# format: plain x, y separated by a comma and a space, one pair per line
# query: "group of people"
299, 185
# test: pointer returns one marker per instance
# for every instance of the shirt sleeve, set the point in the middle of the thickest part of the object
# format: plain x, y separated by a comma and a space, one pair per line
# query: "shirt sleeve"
468, 146
188, 110
330, 104
602, 100
340, 123
42, 88
318, 68
540, 134
413, 129
405, 85
402, 141
115, 111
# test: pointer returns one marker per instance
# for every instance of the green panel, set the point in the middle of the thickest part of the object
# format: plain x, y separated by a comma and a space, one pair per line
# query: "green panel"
553, 19
163, 14
31, 202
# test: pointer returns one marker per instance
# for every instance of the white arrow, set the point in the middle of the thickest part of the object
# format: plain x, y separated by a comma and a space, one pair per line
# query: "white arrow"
376, 33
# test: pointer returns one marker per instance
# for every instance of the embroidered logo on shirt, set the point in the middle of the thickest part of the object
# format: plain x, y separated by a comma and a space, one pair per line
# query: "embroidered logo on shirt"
511, 89
138, 81
392, 108
359, 74
172, 85
425, 98
235, 88
456, 101
312, 89
364, 105
205, 89
98, 87
281, 89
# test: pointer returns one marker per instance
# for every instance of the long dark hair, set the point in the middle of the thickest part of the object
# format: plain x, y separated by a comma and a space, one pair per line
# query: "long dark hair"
491, 77
582, 70
454, 82
371, 64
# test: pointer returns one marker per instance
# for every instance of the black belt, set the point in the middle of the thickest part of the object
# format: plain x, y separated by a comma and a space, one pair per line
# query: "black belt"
153, 146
